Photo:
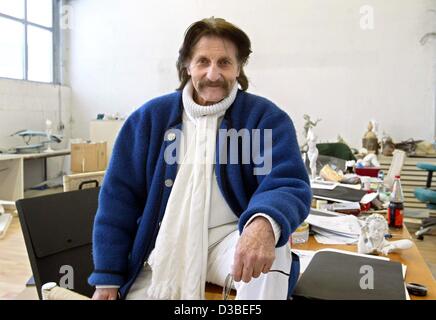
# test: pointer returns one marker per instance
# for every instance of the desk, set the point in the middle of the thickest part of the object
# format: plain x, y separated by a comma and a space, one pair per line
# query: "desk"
12, 172
417, 269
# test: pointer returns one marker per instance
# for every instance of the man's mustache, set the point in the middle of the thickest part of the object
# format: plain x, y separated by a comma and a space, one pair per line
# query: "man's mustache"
207, 83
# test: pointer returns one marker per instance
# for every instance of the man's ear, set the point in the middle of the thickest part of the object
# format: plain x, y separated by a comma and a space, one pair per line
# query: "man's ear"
187, 68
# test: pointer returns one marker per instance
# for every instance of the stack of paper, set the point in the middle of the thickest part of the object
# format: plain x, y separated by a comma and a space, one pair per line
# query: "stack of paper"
335, 229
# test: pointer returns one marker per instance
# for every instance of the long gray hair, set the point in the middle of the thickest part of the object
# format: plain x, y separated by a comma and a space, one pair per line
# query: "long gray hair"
214, 27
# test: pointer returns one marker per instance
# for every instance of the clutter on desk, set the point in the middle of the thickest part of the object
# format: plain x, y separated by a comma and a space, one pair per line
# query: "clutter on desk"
425, 149
396, 205
309, 149
370, 140
308, 124
312, 152
368, 159
412, 147
301, 234
416, 289
339, 194
346, 208
321, 184
334, 229
388, 145
372, 237
329, 174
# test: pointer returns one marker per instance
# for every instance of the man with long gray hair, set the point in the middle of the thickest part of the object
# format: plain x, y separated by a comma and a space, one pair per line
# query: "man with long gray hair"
181, 206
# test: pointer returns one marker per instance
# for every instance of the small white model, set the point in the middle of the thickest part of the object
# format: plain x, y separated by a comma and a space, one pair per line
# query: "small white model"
312, 152
372, 237
48, 131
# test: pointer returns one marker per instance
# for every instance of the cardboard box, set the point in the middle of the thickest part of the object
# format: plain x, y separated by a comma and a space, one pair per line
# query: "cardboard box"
88, 157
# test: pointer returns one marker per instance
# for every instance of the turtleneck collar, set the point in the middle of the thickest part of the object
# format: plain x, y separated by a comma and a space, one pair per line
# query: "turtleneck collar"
195, 110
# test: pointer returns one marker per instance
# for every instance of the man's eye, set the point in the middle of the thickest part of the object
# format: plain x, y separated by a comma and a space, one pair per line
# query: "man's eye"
225, 62
202, 61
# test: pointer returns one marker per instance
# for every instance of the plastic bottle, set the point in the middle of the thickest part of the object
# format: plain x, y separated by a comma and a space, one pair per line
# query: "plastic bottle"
396, 205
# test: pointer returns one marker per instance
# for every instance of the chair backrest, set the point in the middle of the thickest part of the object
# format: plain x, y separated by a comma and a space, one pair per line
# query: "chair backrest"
57, 232
395, 168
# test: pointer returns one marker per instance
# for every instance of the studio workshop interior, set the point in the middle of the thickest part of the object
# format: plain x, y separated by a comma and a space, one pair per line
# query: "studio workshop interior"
199, 150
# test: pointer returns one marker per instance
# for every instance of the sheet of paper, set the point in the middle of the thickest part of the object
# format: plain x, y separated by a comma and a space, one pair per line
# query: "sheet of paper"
333, 239
347, 224
327, 185
305, 258
367, 198
325, 213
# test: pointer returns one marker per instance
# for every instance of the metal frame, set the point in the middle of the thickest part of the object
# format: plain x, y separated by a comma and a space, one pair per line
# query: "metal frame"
55, 36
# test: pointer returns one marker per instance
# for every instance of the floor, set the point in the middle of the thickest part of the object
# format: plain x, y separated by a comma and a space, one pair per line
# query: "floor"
15, 268
427, 247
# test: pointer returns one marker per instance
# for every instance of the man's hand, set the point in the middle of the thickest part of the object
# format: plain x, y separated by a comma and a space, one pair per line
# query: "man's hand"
255, 251
105, 294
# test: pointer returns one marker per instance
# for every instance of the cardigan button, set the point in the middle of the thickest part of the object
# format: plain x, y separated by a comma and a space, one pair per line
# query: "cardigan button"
171, 136
168, 183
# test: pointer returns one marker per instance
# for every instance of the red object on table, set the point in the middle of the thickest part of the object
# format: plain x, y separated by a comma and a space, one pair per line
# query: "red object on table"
368, 172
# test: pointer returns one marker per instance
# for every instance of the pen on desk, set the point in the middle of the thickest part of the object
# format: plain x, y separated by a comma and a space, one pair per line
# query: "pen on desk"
390, 236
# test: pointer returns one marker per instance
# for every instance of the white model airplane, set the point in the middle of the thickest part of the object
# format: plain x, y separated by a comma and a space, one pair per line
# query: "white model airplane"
27, 135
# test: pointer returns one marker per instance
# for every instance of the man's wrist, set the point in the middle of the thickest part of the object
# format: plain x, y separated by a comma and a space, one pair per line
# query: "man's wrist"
277, 230
102, 286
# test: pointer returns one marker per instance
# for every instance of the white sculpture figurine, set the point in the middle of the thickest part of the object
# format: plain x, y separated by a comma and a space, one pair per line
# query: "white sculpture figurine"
372, 237
48, 130
369, 160
312, 152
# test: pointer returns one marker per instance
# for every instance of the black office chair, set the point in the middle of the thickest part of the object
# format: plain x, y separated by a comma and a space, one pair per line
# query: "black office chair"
57, 232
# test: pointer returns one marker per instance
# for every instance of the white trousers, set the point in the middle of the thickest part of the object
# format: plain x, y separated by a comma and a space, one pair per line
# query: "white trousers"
270, 286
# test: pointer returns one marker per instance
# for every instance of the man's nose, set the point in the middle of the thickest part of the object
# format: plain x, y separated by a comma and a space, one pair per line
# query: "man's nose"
213, 73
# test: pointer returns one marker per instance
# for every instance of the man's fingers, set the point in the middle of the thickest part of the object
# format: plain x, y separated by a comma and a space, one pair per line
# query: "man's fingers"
237, 269
267, 267
257, 270
247, 273
105, 294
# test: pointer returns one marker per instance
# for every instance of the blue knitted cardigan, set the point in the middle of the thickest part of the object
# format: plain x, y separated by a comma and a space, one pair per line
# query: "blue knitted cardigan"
135, 190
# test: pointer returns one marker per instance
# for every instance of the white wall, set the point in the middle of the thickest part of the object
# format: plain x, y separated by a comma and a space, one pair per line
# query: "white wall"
309, 56
27, 105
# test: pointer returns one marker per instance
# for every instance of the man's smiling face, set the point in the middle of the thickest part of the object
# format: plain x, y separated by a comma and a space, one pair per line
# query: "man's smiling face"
213, 68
